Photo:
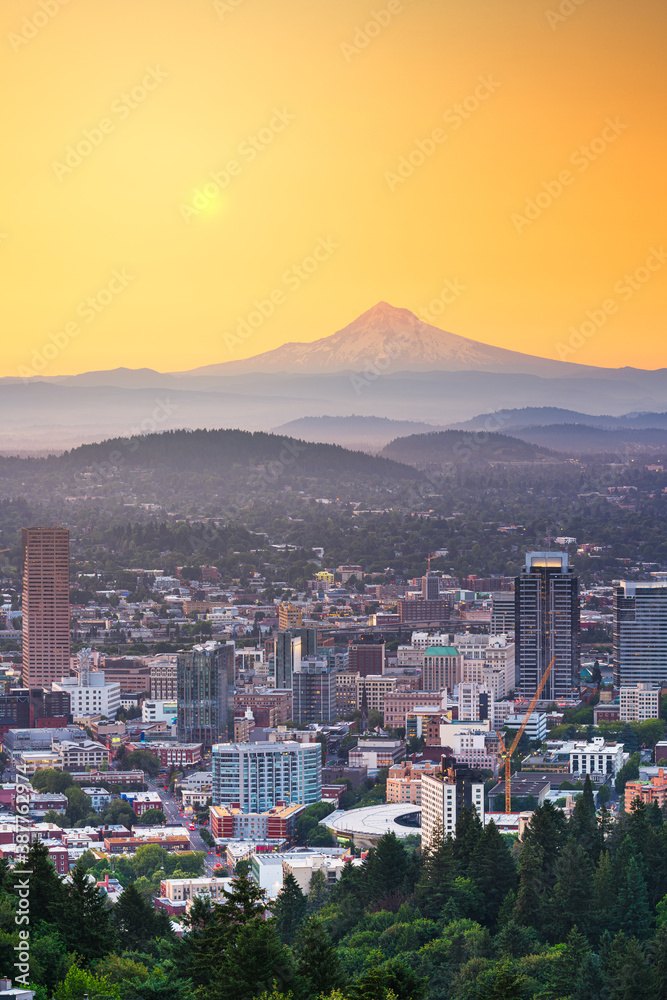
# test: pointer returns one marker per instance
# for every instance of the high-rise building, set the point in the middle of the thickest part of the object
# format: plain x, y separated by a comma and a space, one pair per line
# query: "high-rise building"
313, 692
164, 677
546, 599
443, 666
445, 793
256, 776
430, 587
366, 658
205, 693
287, 658
290, 616
46, 635
502, 613
640, 633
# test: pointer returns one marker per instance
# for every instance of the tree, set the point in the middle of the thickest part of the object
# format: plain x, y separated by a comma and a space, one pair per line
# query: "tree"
633, 915
152, 817
604, 794
439, 871
318, 892
142, 760
627, 969
79, 983
386, 868
45, 891
78, 804
468, 834
392, 979
133, 919
572, 900
530, 900
318, 959
289, 909
85, 922
492, 869
629, 772
583, 825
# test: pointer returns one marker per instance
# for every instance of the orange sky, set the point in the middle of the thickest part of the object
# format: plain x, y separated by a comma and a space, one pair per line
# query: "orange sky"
315, 113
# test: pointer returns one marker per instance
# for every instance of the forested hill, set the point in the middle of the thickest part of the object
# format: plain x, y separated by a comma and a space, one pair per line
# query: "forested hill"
446, 447
214, 451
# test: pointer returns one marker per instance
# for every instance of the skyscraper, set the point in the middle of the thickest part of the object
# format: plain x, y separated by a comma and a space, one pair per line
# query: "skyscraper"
288, 656
430, 587
46, 635
313, 692
640, 633
256, 776
205, 678
547, 624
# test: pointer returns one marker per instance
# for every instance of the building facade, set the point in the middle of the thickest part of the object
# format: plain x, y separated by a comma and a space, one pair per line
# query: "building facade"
547, 625
444, 795
443, 668
640, 633
45, 605
639, 702
203, 693
256, 776
314, 692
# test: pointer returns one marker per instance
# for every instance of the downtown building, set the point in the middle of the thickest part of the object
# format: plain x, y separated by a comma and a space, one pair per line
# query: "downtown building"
445, 793
46, 609
255, 777
640, 633
314, 692
205, 685
546, 596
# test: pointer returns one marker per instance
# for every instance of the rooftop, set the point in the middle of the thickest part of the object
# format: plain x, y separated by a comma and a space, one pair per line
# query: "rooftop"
375, 821
441, 651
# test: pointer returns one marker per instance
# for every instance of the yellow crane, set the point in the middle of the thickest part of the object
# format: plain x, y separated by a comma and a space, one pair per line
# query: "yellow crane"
507, 754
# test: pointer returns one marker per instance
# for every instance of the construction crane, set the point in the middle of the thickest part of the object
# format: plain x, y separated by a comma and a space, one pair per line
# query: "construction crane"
507, 754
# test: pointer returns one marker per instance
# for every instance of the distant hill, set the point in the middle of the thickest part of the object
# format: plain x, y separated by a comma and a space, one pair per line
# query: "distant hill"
367, 433
539, 416
454, 446
221, 452
581, 439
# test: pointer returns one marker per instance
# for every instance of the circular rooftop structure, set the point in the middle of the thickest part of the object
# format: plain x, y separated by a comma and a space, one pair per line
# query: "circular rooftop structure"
365, 826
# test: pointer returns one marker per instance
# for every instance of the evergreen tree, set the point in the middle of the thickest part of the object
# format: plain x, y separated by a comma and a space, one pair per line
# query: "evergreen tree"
530, 899
252, 961
627, 971
289, 909
133, 919
629, 739
569, 962
583, 825
502, 982
604, 896
655, 815
469, 831
438, 874
492, 870
633, 914
318, 892
658, 960
46, 891
386, 869
318, 960
392, 977
589, 983
547, 829
85, 922
572, 898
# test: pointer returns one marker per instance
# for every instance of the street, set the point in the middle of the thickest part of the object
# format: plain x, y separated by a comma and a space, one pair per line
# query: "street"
171, 810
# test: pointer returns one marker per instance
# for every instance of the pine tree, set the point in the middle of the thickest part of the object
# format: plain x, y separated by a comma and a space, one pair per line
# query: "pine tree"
46, 890
439, 872
572, 898
386, 868
627, 970
590, 983
85, 919
547, 829
583, 825
530, 899
289, 909
318, 960
569, 961
318, 892
633, 913
493, 871
604, 896
133, 919
469, 831
658, 959
252, 961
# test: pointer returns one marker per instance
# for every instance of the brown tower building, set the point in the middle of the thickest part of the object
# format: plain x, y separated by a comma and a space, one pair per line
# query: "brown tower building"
46, 637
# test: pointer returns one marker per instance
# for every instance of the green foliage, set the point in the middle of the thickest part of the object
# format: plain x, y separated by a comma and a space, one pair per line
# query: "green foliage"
152, 817
308, 820
629, 772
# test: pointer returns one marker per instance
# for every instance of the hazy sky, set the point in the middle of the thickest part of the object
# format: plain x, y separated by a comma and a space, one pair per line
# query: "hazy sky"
169, 163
